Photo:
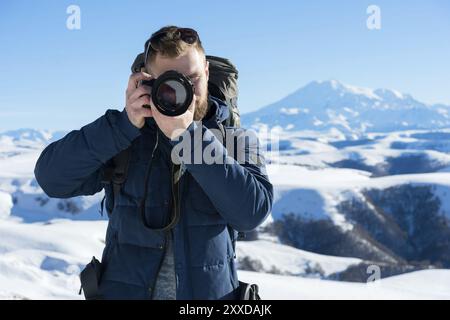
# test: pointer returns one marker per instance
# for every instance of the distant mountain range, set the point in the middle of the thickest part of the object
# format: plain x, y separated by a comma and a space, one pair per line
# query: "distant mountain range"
31, 135
323, 105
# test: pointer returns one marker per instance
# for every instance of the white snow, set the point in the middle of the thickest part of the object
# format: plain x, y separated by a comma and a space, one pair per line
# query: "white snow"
5, 204
362, 91
291, 261
43, 260
428, 284
289, 111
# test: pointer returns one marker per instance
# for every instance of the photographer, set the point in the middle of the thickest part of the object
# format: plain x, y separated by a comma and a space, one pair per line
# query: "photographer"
169, 233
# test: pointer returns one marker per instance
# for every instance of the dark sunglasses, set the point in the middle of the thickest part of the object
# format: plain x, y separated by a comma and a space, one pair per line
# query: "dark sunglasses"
187, 35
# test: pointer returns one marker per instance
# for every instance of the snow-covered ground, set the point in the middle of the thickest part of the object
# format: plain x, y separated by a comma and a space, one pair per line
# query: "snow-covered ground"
43, 248
428, 284
43, 260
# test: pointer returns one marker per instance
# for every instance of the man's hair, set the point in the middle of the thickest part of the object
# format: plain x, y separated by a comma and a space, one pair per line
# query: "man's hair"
171, 45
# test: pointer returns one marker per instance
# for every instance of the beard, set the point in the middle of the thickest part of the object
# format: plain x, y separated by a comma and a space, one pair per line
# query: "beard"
201, 107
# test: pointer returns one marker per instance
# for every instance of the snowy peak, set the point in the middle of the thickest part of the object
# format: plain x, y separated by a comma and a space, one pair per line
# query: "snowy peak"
351, 110
339, 90
344, 89
376, 94
388, 94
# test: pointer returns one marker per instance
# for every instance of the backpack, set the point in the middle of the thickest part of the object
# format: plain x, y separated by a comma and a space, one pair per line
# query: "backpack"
222, 84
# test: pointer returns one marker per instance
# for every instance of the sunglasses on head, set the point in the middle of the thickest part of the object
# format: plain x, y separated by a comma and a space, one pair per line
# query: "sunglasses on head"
187, 35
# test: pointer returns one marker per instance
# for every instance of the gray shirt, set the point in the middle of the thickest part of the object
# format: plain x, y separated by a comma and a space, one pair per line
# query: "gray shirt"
165, 287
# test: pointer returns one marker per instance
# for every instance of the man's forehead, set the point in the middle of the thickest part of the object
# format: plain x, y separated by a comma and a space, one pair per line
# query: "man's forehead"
189, 63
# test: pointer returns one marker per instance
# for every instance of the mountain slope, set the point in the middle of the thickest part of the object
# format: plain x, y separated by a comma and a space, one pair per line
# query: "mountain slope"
323, 105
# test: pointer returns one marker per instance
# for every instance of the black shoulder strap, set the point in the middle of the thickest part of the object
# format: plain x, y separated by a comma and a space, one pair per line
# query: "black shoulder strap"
115, 173
121, 162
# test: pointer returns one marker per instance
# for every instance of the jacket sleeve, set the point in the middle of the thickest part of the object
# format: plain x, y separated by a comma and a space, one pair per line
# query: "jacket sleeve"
238, 186
72, 166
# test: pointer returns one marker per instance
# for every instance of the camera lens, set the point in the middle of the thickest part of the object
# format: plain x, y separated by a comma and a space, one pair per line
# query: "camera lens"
172, 93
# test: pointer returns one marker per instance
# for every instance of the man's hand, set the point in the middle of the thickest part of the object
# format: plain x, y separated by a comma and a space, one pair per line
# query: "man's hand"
173, 127
136, 97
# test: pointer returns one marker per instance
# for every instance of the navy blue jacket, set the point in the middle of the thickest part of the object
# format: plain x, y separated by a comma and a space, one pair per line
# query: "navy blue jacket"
212, 196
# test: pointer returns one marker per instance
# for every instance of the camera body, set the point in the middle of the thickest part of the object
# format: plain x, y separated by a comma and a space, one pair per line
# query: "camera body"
172, 93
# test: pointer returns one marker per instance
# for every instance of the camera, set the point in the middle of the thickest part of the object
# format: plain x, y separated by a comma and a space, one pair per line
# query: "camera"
172, 93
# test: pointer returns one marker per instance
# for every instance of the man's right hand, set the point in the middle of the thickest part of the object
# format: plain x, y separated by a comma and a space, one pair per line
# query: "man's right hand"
136, 97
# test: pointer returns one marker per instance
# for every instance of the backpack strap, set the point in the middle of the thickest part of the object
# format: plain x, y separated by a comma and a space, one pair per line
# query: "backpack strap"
115, 173
120, 172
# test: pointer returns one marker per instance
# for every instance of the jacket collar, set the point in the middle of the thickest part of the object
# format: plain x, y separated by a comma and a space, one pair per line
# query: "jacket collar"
222, 111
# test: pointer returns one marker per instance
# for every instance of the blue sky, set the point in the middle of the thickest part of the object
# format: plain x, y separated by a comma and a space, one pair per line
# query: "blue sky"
55, 78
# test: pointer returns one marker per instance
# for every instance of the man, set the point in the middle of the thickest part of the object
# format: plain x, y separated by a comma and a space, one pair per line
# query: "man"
142, 260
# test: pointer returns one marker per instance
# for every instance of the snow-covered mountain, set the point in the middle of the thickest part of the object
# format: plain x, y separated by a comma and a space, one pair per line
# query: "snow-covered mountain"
323, 105
27, 136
